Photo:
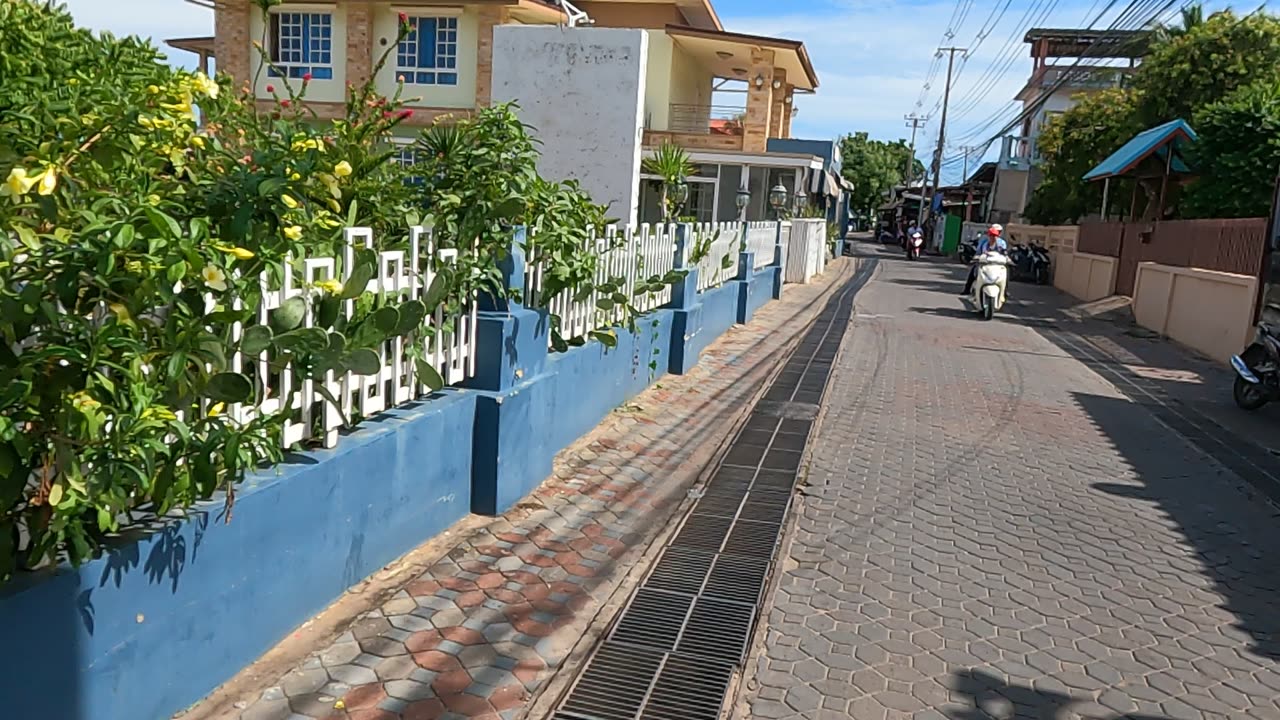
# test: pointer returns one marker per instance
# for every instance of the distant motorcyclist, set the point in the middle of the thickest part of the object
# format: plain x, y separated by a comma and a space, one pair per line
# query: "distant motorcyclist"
993, 240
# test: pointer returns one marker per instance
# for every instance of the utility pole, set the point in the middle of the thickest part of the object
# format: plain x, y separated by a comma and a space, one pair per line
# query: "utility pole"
916, 122
968, 195
942, 129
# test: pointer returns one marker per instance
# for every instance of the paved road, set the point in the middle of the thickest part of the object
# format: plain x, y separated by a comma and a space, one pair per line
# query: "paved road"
992, 530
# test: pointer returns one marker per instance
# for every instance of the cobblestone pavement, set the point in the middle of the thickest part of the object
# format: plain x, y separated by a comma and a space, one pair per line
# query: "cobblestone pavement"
992, 530
483, 628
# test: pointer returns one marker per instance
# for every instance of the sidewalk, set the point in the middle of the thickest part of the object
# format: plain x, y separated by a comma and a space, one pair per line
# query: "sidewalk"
474, 624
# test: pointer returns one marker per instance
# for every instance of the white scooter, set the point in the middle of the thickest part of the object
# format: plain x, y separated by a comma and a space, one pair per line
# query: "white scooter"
991, 283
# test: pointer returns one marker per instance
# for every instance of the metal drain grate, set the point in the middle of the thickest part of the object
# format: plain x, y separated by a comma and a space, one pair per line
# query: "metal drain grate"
672, 652
653, 619
718, 630
615, 684
688, 689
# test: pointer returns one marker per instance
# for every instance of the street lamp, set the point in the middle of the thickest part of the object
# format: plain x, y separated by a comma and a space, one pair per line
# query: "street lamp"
778, 196
802, 201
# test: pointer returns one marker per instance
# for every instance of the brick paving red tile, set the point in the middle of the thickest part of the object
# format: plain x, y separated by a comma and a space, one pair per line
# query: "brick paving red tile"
463, 636
437, 661
450, 683
432, 709
468, 705
470, 599
508, 697
364, 697
421, 642
372, 714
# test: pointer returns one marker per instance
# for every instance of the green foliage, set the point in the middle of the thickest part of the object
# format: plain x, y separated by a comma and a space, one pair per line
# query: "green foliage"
671, 163
1237, 155
874, 167
131, 244
1188, 70
1075, 142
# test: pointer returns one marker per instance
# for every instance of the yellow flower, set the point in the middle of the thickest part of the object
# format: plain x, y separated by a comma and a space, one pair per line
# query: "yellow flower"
334, 206
295, 176
18, 184
205, 85
216, 409
238, 253
288, 201
214, 278
48, 181
153, 89
293, 232
331, 286
197, 141
342, 169
153, 199
159, 411
331, 183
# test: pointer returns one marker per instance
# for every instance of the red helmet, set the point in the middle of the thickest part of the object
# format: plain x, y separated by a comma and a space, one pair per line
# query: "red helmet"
995, 230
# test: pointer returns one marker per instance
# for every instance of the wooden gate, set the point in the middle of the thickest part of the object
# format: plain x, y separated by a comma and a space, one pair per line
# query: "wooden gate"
1130, 256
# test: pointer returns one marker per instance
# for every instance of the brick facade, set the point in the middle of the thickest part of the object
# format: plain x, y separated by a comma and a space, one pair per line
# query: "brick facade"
759, 101
231, 42
489, 17
779, 108
359, 42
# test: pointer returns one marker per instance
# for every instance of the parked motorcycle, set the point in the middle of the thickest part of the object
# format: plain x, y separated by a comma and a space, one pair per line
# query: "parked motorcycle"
989, 289
1040, 262
968, 248
1258, 370
914, 245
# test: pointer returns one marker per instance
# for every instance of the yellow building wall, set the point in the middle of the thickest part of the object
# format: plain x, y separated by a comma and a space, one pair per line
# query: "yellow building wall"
462, 95
317, 90
657, 82
690, 83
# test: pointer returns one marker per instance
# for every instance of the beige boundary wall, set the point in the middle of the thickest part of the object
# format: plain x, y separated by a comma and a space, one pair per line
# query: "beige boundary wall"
1053, 238
1084, 276
1207, 310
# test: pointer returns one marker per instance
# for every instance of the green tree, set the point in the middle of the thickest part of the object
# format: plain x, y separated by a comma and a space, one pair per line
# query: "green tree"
1074, 143
874, 166
1188, 70
1237, 155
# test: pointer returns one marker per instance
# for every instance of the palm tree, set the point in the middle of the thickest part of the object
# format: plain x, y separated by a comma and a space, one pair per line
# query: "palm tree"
1192, 17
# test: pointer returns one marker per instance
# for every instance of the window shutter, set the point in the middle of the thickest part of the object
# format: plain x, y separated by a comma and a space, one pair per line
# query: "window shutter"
426, 42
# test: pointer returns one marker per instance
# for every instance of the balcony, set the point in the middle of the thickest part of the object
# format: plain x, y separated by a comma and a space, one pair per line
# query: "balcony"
1074, 79
705, 119
1017, 153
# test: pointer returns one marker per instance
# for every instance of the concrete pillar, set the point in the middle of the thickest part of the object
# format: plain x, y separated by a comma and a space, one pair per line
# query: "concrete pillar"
359, 42
788, 105
231, 43
778, 110
685, 301
759, 101
490, 16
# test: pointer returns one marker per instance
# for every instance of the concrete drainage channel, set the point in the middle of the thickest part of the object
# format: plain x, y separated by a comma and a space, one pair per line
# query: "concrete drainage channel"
673, 651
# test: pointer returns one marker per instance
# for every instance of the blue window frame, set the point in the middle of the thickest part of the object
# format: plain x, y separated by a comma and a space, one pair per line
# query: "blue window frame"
302, 43
428, 55
407, 156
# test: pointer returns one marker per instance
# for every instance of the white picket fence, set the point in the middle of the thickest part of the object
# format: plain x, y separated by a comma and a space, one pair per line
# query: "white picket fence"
627, 255
726, 242
762, 236
399, 274
806, 254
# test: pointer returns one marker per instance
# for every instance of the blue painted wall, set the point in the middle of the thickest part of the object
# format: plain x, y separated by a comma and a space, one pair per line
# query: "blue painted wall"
760, 288
160, 620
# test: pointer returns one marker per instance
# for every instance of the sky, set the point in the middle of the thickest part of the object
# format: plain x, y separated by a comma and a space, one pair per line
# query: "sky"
872, 57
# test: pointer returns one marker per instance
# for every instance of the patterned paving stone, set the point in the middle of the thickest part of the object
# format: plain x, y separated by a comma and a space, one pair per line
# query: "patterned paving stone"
1007, 534
484, 628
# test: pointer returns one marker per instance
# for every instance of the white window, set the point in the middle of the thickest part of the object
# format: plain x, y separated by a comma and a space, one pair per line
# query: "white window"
428, 55
302, 44
407, 156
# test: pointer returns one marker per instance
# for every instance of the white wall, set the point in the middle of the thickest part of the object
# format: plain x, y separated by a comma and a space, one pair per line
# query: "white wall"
657, 89
583, 92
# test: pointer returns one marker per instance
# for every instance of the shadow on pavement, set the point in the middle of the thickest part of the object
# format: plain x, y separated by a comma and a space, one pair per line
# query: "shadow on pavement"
991, 697
1232, 537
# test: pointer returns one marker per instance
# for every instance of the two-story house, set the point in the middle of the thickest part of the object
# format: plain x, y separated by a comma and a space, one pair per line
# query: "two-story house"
719, 94
1066, 65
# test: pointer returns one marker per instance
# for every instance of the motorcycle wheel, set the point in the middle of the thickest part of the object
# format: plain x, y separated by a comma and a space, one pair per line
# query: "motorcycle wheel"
1248, 396
988, 308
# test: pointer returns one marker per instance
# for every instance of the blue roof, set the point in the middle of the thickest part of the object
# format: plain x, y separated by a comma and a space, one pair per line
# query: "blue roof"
1155, 141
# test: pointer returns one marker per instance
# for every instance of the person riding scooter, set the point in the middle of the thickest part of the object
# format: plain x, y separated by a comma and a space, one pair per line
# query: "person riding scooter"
992, 241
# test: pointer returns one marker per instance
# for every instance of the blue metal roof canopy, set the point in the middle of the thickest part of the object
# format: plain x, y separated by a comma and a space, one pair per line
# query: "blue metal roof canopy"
1162, 142
1157, 141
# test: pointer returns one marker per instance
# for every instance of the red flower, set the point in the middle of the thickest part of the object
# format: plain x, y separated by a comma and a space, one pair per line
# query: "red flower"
306, 77
284, 103
386, 114
404, 19
271, 88
406, 114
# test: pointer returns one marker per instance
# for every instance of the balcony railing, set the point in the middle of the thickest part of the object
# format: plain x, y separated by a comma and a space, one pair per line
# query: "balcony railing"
1096, 78
706, 119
